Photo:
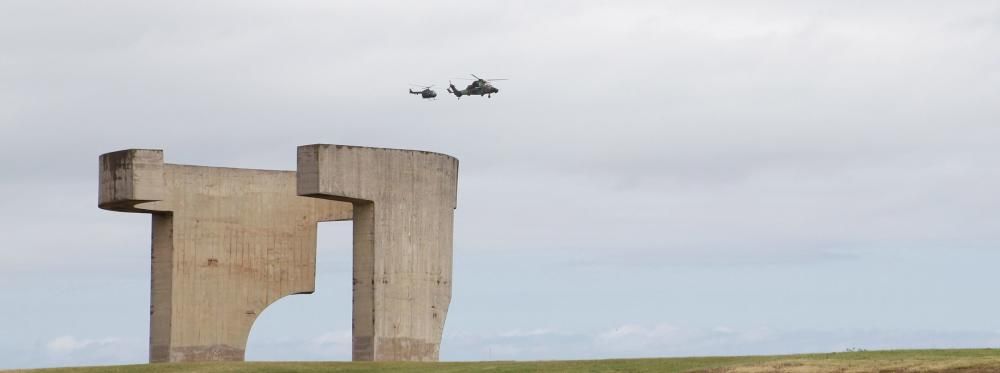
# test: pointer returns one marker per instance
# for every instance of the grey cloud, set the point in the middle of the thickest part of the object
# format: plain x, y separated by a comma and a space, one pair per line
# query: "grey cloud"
631, 134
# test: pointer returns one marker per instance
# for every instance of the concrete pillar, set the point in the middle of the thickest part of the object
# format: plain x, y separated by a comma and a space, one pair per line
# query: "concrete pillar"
226, 243
404, 204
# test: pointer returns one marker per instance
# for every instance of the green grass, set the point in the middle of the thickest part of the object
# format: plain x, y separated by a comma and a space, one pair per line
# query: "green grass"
965, 361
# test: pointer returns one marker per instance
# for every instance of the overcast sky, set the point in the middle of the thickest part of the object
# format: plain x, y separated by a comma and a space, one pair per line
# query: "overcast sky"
656, 178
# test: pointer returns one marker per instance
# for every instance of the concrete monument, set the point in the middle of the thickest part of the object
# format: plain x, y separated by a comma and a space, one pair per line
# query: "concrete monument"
227, 242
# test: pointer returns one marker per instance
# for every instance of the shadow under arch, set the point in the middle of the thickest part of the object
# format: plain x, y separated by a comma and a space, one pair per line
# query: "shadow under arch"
316, 326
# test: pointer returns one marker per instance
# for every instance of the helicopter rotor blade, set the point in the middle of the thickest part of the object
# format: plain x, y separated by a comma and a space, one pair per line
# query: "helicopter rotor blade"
487, 80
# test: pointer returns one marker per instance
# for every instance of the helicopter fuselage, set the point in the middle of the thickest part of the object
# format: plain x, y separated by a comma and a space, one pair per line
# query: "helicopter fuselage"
476, 88
427, 93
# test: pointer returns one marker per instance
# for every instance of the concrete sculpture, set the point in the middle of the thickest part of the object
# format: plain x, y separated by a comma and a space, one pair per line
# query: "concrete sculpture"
404, 204
226, 243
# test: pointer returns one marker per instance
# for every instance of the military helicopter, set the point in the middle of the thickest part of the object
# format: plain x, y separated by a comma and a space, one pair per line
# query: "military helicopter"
427, 92
479, 86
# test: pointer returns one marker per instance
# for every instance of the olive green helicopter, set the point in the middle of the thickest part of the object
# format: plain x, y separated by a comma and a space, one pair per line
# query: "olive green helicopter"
479, 86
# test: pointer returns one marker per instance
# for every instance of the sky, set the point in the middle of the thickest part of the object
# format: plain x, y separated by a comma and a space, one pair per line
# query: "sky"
657, 178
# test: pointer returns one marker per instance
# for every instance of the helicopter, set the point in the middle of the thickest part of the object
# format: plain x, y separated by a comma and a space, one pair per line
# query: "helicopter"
479, 86
427, 92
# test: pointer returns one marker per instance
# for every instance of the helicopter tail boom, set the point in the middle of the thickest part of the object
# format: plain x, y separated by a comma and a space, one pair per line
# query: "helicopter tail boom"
453, 90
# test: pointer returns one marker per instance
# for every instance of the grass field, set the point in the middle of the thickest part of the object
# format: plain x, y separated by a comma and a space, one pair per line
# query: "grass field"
965, 361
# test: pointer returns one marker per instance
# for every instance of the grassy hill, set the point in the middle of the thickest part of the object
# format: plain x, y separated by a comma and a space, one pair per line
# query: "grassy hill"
965, 361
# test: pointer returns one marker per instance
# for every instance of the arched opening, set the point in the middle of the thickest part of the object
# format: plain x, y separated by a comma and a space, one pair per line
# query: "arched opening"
312, 326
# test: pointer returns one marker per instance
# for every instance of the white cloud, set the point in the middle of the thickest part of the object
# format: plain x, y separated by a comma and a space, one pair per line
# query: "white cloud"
633, 340
525, 333
69, 344
665, 340
68, 350
332, 344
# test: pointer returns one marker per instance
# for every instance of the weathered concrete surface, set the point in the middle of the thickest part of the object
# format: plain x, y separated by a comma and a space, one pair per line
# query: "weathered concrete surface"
226, 243
404, 204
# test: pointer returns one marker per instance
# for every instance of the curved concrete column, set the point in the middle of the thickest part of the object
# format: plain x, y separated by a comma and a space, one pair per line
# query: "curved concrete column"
226, 243
404, 204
